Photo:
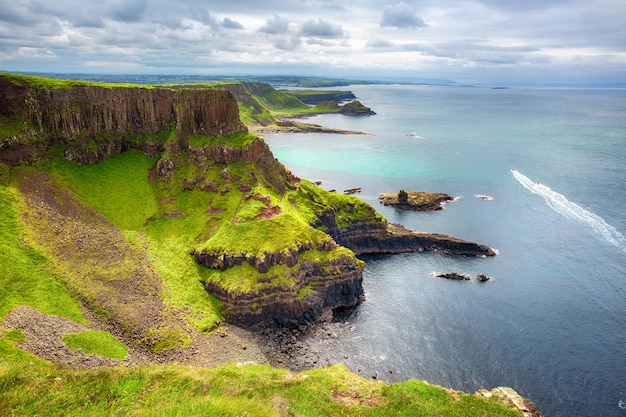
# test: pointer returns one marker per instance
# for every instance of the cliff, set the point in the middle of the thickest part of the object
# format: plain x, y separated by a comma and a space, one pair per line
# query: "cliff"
94, 122
313, 97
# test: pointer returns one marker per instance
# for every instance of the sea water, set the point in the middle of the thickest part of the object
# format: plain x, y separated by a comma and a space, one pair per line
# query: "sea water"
552, 321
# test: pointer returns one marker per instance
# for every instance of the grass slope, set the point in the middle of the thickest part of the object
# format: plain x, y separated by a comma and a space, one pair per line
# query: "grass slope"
232, 390
26, 275
119, 188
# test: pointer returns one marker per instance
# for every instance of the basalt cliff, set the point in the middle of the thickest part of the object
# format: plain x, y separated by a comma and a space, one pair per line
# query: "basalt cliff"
273, 249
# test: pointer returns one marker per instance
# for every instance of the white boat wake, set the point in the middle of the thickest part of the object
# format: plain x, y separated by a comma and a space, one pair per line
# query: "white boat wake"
572, 211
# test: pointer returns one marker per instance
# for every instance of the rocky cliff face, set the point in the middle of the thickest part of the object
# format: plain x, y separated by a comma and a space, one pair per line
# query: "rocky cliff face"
396, 239
370, 235
96, 122
319, 288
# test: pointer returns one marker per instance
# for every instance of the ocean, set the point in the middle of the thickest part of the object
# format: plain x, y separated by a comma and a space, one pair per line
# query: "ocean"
552, 321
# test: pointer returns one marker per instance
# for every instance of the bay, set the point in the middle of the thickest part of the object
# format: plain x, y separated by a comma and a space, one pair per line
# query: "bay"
552, 322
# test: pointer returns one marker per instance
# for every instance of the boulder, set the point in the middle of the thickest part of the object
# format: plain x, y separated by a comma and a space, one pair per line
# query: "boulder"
482, 277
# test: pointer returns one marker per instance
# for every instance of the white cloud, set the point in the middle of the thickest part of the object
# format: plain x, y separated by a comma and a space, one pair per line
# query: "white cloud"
469, 40
29, 52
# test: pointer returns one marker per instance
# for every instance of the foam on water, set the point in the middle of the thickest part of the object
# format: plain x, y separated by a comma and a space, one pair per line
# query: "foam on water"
560, 204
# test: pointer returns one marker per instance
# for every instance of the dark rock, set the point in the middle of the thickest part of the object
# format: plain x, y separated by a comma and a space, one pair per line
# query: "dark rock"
482, 277
453, 275
415, 200
381, 237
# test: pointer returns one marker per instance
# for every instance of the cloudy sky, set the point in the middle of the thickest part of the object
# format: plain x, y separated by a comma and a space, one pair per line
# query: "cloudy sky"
469, 41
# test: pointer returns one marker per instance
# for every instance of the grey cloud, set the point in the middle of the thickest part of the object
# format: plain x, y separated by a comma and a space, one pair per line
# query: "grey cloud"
476, 52
288, 44
379, 43
34, 12
518, 5
321, 29
401, 15
87, 20
128, 11
275, 25
16, 13
231, 24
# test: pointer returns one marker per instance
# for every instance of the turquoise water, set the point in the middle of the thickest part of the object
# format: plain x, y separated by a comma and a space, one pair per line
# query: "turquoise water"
552, 322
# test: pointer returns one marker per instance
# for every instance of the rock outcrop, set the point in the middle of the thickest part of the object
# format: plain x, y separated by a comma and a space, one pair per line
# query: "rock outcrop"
415, 200
482, 277
453, 276
356, 108
510, 398
375, 236
318, 289
263, 262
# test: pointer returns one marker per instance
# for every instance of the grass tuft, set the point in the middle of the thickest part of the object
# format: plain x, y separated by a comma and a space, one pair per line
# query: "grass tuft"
98, 342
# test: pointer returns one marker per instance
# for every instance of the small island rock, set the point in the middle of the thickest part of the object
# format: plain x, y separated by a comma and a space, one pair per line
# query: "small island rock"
482, 277
415, 200
453, 275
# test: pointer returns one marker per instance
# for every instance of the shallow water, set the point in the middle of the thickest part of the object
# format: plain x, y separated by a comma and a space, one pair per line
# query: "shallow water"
552, 322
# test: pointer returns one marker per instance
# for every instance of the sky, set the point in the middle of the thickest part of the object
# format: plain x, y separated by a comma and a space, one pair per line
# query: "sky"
468, 41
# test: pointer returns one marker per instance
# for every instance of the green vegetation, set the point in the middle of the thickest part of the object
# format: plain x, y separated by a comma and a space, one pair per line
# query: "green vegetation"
11, 127
232, 390
119, 188
116, 187
47, 83
326, 107
313, 201
256, 237
26, 274
237, 140
96, 341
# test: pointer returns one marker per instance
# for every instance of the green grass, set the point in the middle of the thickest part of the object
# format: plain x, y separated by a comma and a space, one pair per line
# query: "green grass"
96, 341
117, 187
312, 201
251, 116
231, 390
11, 127
26, 276
58, 83
182, 277
236, 140
256, 237
277, 100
